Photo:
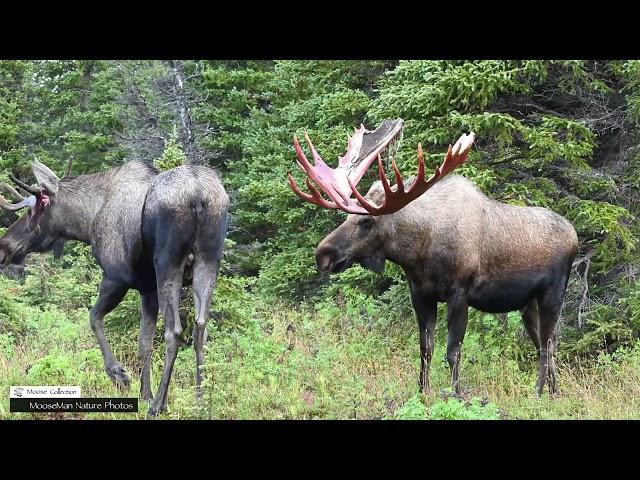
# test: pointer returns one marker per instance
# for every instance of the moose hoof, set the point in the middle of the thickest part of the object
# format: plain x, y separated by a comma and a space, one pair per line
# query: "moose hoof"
119, 376
423, 387
154, 410
146, 396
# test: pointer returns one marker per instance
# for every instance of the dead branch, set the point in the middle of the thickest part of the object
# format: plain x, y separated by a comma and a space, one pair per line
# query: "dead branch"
188, 137
585, 291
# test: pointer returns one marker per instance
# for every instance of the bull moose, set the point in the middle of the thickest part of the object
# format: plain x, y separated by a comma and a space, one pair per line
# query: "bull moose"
146, 229
454, 244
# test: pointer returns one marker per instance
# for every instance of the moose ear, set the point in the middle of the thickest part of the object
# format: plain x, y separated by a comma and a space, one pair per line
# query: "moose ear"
376, 193
45, 177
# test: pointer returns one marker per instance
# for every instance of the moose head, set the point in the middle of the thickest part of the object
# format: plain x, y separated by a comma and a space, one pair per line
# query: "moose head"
31, 232
362, 238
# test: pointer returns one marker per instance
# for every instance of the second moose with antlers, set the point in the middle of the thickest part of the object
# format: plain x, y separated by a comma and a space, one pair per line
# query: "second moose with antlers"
147, 229
454, 244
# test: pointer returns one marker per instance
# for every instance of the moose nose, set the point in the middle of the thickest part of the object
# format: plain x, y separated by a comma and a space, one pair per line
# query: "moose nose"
324, 258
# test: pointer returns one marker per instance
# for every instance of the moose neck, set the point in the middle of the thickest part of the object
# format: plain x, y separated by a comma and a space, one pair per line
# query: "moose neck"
77, 204
407, 234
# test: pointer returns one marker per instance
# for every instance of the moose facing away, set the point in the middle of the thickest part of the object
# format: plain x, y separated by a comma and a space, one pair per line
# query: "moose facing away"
148, 231
454, 244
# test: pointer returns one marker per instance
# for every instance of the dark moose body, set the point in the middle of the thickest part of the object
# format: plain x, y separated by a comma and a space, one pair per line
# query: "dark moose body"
145, 228
454, 244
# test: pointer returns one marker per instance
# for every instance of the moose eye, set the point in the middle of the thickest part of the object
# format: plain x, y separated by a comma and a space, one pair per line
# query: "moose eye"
365, 222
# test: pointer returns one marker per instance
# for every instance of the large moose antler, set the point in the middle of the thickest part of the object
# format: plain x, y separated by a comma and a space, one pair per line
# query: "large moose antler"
23, 202
362, 149
35, 203
339, 183
38, 199
24, 186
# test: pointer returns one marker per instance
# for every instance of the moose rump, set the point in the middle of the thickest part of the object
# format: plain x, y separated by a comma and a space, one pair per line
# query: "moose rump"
182, 228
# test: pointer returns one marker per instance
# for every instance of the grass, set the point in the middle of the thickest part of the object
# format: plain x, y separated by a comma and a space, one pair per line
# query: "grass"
347, 358
299, 363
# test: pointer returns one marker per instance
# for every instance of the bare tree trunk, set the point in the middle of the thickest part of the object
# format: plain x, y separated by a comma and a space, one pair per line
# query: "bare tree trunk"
188, 139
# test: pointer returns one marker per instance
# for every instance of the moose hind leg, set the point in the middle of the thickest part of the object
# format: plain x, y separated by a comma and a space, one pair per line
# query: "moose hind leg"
204, 281
169, 286
109, 296
531, 318
173, 244
148, 321
207, 250
549, 304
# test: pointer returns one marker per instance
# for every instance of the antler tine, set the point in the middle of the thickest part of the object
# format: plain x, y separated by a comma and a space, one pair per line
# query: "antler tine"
324, 177
397, 174
303, 163
23, 192
340, 183
24, 186
383, 178
395, 200
421, 167
26, 202
315, 197
366, 206
9, 190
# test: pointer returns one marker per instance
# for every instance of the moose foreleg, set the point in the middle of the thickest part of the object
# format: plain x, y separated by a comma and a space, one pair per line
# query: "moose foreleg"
110, 295
426, 312
457, 308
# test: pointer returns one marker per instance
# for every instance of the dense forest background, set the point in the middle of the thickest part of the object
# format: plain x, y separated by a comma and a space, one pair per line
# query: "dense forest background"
285, 341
